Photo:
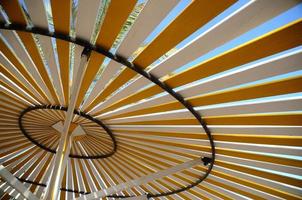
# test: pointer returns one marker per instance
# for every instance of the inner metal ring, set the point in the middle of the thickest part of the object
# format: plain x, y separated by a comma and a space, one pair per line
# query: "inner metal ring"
76, 112
139, 70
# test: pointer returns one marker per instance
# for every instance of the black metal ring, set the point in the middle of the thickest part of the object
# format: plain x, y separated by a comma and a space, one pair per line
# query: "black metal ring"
139, 70
79, 113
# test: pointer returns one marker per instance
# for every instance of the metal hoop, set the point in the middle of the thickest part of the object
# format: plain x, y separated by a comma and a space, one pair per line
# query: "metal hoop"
139, 70
80, 113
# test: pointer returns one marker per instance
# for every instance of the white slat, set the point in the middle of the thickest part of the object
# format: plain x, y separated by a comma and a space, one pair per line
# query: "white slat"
253, 130
79, 177
48, 52
10, 67
111, 69
281, 64
2, 19
28, 164
151, 15
97, 175
77, 59
17, 88
39, 190
283, 105
86, 18
222, 190
252, 72
21, 53
242, 187
260, 148
259, 180
37, 13
70, 195
130, 89
143, 104
9, 92
37, 170
258, 164
232, 26
88, 176
254, 148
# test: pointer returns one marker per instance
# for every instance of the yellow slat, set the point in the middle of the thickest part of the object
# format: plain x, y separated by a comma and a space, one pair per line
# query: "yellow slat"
15, 14
61, 11
274, 119
271, 43
263, 188
247, 183
268, 119
15, 91
223, 151
38, 178
11, 57
234, 189
115, 17
201, 186
267, 175
241, 181
260, 139
279, 87
242, 138
11, 76
281, 39
184, 25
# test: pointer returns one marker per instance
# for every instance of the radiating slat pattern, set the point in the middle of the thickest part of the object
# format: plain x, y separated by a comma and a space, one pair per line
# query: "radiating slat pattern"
249, 95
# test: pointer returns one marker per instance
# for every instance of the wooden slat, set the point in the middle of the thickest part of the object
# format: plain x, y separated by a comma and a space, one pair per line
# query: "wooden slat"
10, 71
15, 80
269, 44
61, 11
14, 87
269, 106
270, 176
11, 91
86, 18
278, 87
264, 119
47, 48
223, 151
22, 69
14, 12
263, 46
213, 38
115, 17
151, 15
37, 12
241, 138
168, 39
181, 152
